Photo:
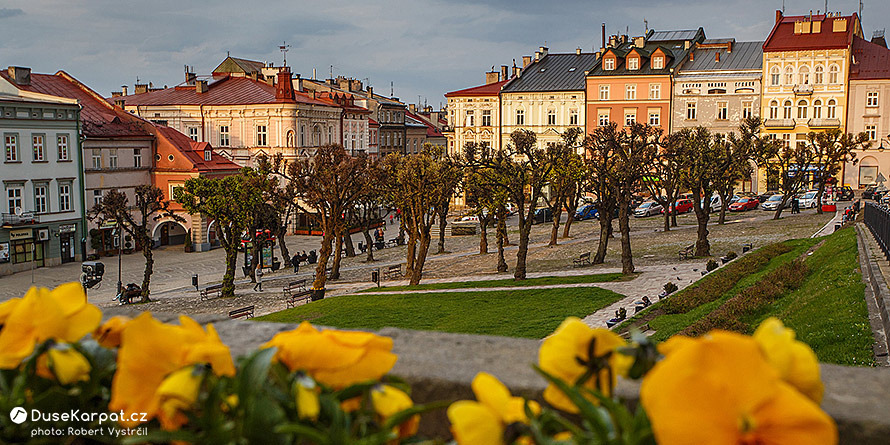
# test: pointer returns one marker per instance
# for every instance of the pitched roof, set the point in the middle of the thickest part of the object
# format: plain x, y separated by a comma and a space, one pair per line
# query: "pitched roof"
342, 100
100, 119
236, 65
783, 38
554, 72
744, 56
431, 130
683, 34
194, 151
674, 50
870, 60
491, 89
224, 91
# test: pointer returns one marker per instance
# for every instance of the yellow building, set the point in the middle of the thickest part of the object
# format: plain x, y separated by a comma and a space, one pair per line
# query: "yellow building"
474, 113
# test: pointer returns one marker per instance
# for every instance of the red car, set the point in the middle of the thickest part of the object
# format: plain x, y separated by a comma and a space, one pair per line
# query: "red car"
681, 206
744, 204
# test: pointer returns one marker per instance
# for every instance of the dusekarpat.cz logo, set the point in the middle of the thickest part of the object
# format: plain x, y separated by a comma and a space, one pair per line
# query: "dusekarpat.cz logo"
18, 415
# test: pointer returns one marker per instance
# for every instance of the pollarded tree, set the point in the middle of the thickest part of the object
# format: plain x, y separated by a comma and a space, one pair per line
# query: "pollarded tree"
150, 206
832, 148
566, 175
790, 165
601, 166
663, 178
368, 203
732, 167
700, 155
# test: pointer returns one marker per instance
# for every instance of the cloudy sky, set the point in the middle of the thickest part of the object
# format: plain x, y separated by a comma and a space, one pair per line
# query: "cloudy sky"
424, 47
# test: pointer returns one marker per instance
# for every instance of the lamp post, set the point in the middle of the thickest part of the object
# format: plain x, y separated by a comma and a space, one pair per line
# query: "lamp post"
119, 250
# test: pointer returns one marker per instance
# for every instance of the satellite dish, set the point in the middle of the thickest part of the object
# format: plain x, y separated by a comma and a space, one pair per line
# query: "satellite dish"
18, 211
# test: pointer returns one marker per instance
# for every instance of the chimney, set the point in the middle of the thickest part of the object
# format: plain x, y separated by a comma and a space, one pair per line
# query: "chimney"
537, 56
526, 61
640, 41
140, 88
717, 56
20, 75
691, 56
543, 50
412, 108
729, 46
189, 76
604, 35
491, 77
116, 94
124, 90
878, 38
200, 86
504, 72
578, 51
284, 89
370, 92
778, 15
613, 41
516, 71
298, 83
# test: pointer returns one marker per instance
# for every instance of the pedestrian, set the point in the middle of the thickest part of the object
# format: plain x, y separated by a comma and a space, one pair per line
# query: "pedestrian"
795, 205
295, 261
259, 278
390, 219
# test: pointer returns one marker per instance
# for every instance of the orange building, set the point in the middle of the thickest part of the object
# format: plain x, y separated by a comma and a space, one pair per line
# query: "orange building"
631, 81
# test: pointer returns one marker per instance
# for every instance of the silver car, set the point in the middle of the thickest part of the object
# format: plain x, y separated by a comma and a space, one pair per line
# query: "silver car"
773, 203
647, 208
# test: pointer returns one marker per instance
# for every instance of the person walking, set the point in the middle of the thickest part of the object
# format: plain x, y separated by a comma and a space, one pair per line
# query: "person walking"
259, 278
295, 261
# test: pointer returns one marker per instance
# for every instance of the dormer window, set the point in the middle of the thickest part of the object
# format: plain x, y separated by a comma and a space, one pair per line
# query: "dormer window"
658, 63
633, 63
207, 155
609, 64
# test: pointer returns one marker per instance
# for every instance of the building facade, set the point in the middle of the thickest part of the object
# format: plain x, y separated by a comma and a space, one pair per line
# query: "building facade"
41, 173
868, 110
474, 114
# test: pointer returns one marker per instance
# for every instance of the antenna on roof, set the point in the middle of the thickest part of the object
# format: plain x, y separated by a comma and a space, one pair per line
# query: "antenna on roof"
284, 48
391, 89
783, 7
860, 9
646, 25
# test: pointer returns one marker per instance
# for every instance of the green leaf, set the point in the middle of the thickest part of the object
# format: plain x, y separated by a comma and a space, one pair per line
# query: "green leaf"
303, 431
405, 414
587, 410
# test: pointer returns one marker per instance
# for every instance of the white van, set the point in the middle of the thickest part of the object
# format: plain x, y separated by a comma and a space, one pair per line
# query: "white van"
716, 202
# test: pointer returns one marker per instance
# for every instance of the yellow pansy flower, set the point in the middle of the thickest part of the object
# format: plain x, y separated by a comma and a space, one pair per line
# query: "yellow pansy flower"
63, 364
719, 389
109, 334
561, 352
62, 314
483, 422
388, 401
796, 362
177, 393
150, 351
335, 358
308, 405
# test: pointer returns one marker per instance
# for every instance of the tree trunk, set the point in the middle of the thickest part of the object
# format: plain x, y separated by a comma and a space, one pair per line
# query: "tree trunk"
282, 246
605, 233
667, 219
483, 236
423, 249
781, 206
347, 242
442, 223
149, 266
627, 263
228, 281
674, 219
525, 227
366, 230
402, 226
724, 204
820, 191
570, 218
411, 251
501, 240
338, 255
554, 232
323, 254
256, 252
702, 246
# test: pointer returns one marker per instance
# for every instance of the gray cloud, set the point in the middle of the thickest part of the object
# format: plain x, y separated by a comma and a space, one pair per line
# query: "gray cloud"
10, 12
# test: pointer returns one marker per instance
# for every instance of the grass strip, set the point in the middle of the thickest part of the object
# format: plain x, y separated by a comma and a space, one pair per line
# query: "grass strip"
509, 282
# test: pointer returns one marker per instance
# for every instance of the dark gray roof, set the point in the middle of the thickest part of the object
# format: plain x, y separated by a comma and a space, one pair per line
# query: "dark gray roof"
554, 72
744, 56
686, 34
675, 51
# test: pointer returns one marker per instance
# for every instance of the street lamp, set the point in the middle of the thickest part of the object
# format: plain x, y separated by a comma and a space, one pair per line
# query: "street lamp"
119, 250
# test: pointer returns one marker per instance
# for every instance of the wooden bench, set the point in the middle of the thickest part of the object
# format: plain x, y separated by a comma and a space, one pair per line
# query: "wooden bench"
392, 271
687, 252
393, 242
747, 246
292, 300
582, 260
246, 312
215, 290
294, 285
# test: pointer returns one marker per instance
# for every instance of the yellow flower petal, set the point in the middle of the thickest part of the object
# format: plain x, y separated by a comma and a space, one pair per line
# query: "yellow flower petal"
473, 423
109, 334
388, 401
308, 405
177, 393
490, 391
68, 365
796, 362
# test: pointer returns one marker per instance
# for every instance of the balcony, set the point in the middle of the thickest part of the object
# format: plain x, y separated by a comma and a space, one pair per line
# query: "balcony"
824, 123
779, 123
803, 90
11, 219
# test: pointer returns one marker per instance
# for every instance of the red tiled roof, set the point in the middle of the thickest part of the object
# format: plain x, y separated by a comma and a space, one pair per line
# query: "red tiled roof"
872, 61
226, 91
491, 89
431, 130
100, 119
783, 38
373, 123
328, 98
194, 151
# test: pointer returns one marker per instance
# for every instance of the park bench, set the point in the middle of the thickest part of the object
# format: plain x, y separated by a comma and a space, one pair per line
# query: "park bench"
392, 271
327, 273
212, 291
294, 285
747, 246
687, 252
246, 312
393, 242
582, 260
293, 299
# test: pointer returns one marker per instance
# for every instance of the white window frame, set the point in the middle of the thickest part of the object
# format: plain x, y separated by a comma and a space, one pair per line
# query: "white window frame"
38, 147
833, 71
630, 91
97, 196
872, 131
41, 192
62, 147
774, 109
224, 136
775, 75
262, 135
655, 118
15, 197
137, 157
112, 158
817, 109
64, 196
609, 64
655, 91
11, 144
832, 109
658, 62
691, 111
486, 118
573, 117
603, 119
819, 75
193, 133
633, 63
604, 92
96, 157
871, 99
747, 109
520, 117
551, 117
802, 109
630, 118
722, 111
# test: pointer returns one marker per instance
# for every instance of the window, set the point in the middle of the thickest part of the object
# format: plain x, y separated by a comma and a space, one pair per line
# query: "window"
468, 122
871, 99
261, 135
773, 110
802, 109
817, 109
603, 119
872, 131
832, 74
654, 91
633, 63
486, 118
37, 144
12, 149
330, 134
832, 109
40, 198
62, 146
604, 92
658, 63
630, 118
818, 77
573, 117
655, 118
223, 135
804, 75
97, 158
722, 111
786, 140
193, 133
789, 75
97, 197
137, 157
551, 117
14, 198
64, 197
630, 91
520, 117
774, 76
609, 63
787, 110
208, 154
112, 158
690, 111
747, 109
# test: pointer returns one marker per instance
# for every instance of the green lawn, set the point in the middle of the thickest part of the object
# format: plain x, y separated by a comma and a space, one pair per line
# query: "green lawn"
509, 282
531, 313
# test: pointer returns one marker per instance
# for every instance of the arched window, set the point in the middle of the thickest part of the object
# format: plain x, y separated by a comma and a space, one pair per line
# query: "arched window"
832, 74
817, 109
804, 75
774, 75
787, 107
551, 117
832, 109
773, 110
802, 109
818, 79
789, 75
290, 138
302, 135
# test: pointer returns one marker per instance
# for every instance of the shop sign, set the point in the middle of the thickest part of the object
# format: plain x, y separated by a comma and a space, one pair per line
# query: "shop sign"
20, 234
67, 228
110, 224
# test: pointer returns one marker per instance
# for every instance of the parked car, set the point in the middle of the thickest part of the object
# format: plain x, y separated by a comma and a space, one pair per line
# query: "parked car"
844, 193
688, 196
744, 204
681, 206
765, 195
647, 208
543, 215
716, 202
869, 192
586, 212
469, 218
773, 202
808, 200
